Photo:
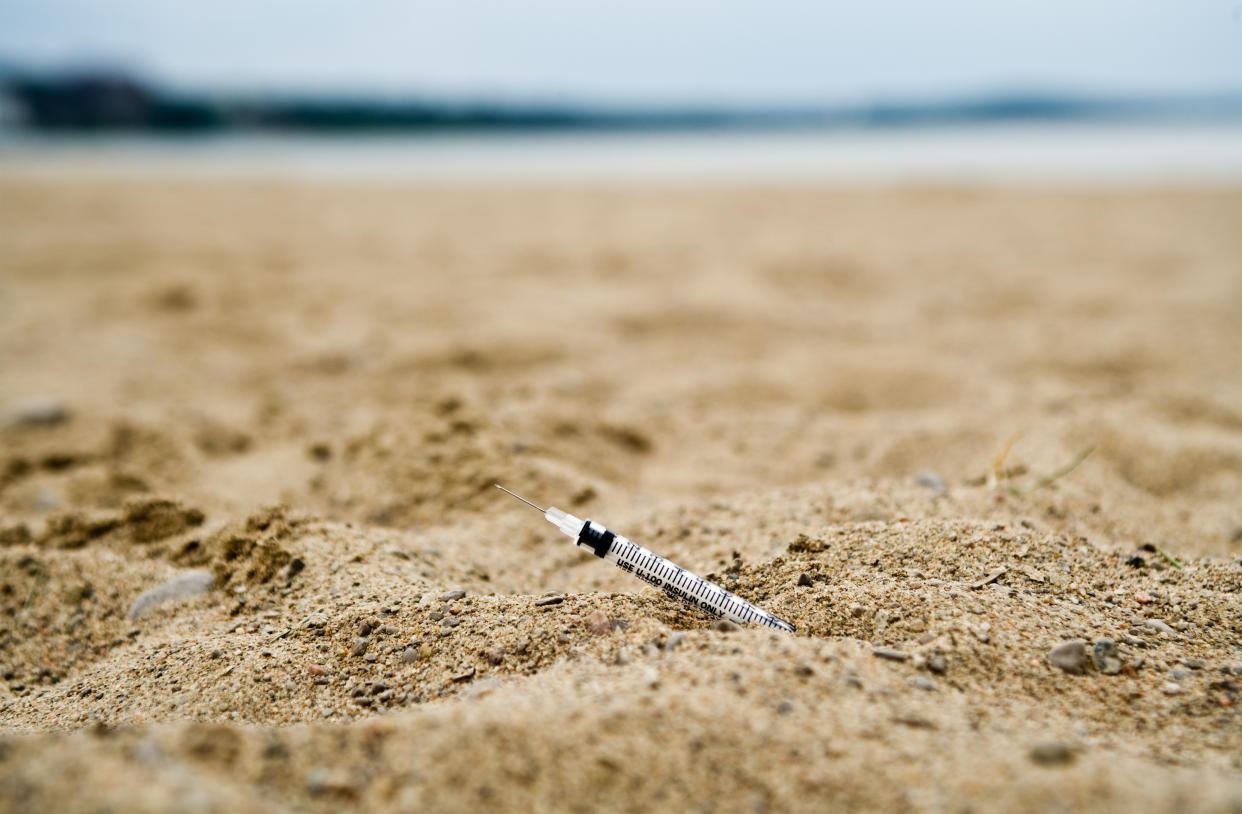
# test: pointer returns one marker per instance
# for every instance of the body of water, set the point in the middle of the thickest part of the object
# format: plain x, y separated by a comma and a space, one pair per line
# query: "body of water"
1024, 153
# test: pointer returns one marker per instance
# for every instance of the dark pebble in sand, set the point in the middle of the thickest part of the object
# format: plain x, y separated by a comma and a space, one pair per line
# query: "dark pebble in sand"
549, 600
1053, 753
1105, 657
888, 653
938, 665
1070, 656
451, 595
725, 625
360, 646
410, 655
805, 580
364, 627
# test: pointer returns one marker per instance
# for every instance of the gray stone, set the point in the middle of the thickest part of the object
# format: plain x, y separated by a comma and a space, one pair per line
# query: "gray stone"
317, 779
360, 645
938, 664
805, 580
1105, 657
923, 683
185, 586
456, 593
1160, 627
931, 479
38, 412
549, 600
1070, 656
890, 654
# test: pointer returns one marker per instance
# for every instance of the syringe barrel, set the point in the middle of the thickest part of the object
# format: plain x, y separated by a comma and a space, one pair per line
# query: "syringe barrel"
672, 579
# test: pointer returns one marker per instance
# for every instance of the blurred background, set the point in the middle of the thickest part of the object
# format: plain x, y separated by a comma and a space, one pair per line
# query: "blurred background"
1143, 89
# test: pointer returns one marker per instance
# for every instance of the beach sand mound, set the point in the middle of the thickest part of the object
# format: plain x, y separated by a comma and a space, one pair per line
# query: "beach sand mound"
979, 446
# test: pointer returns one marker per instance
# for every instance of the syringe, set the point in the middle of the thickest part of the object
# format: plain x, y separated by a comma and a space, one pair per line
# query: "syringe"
651, 568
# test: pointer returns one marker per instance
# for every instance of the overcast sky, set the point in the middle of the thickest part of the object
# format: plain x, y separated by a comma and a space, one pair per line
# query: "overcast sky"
645, 51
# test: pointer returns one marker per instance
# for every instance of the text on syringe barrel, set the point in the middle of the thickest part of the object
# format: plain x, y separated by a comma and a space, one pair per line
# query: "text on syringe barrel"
672, 579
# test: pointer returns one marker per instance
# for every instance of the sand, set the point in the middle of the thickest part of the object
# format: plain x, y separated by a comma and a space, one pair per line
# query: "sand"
941, 430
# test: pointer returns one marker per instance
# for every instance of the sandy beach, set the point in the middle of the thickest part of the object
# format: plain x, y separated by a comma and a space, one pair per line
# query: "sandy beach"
981, 445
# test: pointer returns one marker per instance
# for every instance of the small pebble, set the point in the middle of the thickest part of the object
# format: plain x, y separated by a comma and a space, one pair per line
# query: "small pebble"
316, 669
456, 593
1172, 688
317, 778
1194, 664
675, 640
923, 683
549, 600
1159, 626
725, 625
804, 580
938, 665
39, 412
930, 479
185, 586
597, 622
890, 654
409, 656
364, 627
1105, 657
1070, 656
1053, 753
360, 646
